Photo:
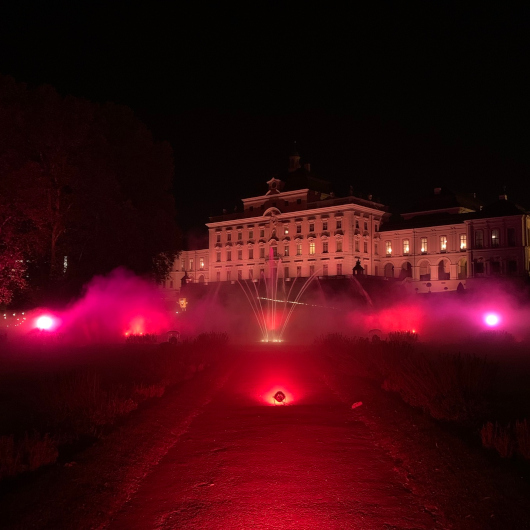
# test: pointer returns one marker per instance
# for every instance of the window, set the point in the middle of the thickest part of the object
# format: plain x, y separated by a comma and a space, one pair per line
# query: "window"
286, 230
325, 269
376, 268
443, 243
325, 247
376, 249
218, 238
495, 267
423, 245
495, 237
479, 239
365, 247
324, 225
250, 253
512, 265
182, 264
251, 234
312, 247
298, 201
339, 224
311, 270
339, 246
251, 208
286, 203
442, 271
298, 229
201, 263
228, 275
406, 246
239, 236
311, 227
298, 271
286, 250
171, 284
511, 239
366, 226
375, 228
388, 247
191, 264
218, 276
286, 272
299, 249
262, 252
357, 224
357, 245
239, 275
218, 256
339, 269
250, 274
479, 267
239, 254
275, 252
261, 232
463, 241
262, 273
425, 271
228, 255
229, 236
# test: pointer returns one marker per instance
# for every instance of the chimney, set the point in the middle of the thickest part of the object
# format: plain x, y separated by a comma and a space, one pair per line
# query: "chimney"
437, 191
503, 197
370, 197
307, 167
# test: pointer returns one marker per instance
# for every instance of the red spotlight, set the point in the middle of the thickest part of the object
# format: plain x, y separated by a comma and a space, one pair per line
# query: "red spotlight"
279, 396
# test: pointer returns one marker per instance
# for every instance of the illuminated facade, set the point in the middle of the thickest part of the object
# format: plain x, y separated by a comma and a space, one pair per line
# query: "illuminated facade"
300, 225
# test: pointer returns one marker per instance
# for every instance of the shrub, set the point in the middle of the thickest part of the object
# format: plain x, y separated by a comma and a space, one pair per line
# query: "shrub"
522, 430
142, 392
141, 338
26, 454
499, 438
407, 337
496, 336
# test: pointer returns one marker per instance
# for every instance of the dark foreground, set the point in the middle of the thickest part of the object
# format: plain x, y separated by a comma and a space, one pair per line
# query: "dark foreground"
216, 453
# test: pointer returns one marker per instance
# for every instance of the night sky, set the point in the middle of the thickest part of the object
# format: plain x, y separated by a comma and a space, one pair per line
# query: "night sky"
391, 98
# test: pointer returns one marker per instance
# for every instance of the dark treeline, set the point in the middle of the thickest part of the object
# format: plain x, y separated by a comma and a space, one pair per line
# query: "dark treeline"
83, 189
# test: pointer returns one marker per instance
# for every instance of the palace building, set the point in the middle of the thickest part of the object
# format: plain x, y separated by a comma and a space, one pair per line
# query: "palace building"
446, 242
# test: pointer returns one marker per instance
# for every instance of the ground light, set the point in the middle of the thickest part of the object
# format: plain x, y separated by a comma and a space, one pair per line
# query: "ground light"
491, 319
279, 398
44, 322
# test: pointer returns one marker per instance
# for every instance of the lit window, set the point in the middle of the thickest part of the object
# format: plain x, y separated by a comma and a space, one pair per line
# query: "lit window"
299, 249
339, 246
339, 269
239, 254
443, 243
339, 224
324, 225
201, 263
312, 247
325, 247
406, 246
250, 253
251, 234
191, 264
495, 238
286, 250
463, 241
325, 270
228, 255
388, 247
311, 227
423, 244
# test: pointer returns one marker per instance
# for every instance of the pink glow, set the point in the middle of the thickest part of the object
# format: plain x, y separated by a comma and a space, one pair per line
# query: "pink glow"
491, 319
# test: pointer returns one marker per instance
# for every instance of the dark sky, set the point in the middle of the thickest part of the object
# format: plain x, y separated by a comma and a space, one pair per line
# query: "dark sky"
393, 98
